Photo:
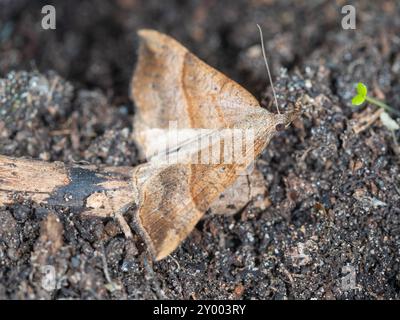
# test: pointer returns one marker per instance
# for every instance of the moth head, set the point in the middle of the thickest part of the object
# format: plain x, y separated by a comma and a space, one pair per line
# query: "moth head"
280, 126
285, 119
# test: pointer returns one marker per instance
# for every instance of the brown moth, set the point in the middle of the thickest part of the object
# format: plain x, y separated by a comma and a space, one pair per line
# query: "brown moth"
170, 84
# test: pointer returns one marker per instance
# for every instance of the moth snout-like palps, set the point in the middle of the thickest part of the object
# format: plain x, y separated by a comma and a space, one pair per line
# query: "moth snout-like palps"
172, 88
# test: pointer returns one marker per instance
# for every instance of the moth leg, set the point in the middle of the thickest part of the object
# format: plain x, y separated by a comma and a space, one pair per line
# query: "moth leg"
119, 216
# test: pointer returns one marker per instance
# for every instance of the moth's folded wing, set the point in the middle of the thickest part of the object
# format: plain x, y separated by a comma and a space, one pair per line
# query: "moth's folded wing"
172, 199
166, 211
170, 85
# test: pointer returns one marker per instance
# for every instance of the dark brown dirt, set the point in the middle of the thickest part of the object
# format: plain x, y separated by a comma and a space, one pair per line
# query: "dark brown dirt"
335, 196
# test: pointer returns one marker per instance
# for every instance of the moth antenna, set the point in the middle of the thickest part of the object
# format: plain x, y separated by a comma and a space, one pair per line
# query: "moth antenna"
266, 64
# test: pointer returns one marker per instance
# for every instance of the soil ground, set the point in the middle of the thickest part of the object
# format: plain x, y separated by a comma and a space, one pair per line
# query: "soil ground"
332, 227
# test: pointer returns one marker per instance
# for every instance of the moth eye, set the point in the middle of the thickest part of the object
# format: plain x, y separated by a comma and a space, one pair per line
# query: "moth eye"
280, 127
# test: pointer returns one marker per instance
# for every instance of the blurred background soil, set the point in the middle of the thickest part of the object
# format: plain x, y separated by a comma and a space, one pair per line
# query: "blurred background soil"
330, 227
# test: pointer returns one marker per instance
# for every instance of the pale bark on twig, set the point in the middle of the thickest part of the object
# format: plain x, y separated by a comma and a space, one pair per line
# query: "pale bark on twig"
92, 190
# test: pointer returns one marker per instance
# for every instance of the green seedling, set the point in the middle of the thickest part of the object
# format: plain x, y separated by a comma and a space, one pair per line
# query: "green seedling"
362, 96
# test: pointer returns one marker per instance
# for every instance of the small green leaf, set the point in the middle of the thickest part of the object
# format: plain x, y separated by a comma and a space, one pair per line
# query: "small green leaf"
357, 100
362, 89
